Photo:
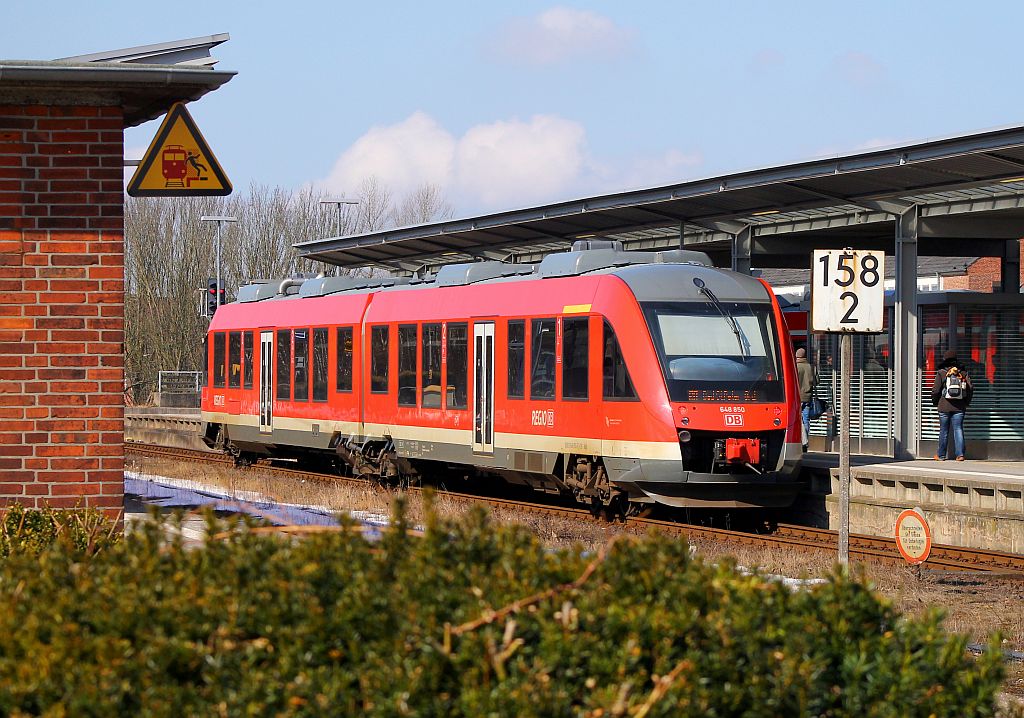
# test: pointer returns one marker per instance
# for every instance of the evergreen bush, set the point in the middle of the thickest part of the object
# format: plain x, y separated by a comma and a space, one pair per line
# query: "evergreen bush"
31, 531
467, 619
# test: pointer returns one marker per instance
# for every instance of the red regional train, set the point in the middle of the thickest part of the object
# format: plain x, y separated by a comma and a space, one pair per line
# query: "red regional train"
620, 378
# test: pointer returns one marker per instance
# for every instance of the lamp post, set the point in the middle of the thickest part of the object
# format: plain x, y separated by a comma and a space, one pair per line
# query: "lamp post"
339, 202
220, 220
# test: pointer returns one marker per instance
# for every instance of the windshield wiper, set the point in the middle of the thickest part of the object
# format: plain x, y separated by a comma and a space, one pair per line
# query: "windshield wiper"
726, 315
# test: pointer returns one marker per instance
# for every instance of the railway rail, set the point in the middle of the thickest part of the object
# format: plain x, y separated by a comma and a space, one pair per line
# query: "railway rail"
800, 538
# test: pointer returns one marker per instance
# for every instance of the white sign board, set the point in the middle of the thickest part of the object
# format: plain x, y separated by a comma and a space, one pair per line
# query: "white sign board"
847, 290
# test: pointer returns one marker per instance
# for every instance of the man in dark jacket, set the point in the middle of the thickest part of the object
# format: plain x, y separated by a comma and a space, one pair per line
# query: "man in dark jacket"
806, 382
951, 394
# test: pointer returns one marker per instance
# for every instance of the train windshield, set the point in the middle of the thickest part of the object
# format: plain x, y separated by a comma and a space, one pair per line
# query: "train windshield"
716, 352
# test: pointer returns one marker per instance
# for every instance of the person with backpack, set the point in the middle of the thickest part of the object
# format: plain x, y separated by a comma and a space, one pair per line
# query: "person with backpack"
951, 394
805, 381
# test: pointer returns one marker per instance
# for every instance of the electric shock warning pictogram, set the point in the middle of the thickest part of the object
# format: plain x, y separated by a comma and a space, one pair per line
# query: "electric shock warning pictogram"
178, 162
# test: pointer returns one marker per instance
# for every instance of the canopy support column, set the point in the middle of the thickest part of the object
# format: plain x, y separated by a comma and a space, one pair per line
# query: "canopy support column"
1010, 266
906, 430
742, 244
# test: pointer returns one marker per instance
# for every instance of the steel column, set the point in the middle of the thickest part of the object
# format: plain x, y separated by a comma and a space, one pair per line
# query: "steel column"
1010, 267
742, 243
906, 428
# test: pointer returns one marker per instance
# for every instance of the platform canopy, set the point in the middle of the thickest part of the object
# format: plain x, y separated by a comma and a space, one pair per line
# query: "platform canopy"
969, 187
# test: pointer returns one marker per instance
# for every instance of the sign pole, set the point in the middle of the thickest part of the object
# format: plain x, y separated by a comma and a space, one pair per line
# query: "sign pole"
218, 263
846, 362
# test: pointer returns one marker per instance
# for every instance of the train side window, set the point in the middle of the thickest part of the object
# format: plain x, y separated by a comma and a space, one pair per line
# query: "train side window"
516, 359
542, 361
319, 365
301, 375
218, 360
430, 367
407, 365
247, 360
379, 360
235, 360
575, 345
284, 364
617, 384
343, 381
458, 366
206, 360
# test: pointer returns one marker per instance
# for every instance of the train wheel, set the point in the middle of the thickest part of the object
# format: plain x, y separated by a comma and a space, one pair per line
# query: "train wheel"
245, 458
640, 511
617, 508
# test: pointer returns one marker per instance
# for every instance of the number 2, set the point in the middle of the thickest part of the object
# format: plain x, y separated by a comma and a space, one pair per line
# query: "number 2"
848, 318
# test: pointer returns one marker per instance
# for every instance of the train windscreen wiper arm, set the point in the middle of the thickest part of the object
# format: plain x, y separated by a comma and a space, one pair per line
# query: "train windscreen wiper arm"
729, 318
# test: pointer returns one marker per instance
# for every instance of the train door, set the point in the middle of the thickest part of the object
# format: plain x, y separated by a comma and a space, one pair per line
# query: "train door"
483, 387
266, 382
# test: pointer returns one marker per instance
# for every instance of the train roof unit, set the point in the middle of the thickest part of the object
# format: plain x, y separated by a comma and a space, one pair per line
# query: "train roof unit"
585, 257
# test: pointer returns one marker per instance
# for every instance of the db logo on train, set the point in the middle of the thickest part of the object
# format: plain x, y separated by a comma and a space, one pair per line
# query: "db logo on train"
734, 419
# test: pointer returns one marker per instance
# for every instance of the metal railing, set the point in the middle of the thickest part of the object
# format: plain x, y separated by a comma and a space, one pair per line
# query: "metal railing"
178, 382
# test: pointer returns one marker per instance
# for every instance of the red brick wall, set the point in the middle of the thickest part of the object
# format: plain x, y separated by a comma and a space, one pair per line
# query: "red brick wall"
985, 275
61, 306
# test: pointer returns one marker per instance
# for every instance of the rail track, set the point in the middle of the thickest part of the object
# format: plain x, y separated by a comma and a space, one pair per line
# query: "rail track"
801, 538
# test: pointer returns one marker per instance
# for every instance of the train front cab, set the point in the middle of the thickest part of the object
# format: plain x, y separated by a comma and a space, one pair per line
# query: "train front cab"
737, 442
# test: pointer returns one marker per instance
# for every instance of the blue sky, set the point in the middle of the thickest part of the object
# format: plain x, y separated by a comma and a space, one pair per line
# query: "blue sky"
513, 104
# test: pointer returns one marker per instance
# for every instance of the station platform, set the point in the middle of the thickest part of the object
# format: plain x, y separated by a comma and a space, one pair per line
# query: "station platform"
975, 504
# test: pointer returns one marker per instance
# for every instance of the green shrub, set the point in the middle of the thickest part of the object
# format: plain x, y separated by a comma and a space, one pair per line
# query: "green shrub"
32, 531
469, 619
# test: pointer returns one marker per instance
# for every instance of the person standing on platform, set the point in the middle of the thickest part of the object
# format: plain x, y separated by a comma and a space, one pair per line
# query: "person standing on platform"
806, 381
951, 395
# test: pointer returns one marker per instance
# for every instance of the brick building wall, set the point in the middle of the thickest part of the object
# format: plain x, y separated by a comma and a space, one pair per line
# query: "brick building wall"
984, 275
61, 306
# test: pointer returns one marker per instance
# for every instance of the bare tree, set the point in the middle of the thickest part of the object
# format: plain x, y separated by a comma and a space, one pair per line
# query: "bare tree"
424, 204
169, 258
374, 205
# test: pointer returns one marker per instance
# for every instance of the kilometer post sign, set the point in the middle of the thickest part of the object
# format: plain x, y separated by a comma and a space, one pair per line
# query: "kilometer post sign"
847, 291
847, 298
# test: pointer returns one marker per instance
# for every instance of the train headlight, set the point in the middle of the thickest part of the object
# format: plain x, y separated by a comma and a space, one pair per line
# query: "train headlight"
684, 436
684, 420
777, 422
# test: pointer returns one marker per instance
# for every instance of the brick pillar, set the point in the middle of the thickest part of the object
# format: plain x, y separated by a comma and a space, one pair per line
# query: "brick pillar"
61, 306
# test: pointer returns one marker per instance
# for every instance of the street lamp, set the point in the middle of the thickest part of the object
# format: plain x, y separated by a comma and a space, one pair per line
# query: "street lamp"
339, 202
220, 220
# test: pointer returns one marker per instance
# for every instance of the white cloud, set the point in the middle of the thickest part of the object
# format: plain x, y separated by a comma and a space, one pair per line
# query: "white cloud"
560, 34
496, 165
526, 161
404, 156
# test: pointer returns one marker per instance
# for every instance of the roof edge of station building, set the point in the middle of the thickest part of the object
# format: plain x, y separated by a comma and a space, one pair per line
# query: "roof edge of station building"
144, 80
146, 91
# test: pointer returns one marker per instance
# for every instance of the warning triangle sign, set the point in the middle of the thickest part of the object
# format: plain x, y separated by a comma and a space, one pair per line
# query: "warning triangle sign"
178, 162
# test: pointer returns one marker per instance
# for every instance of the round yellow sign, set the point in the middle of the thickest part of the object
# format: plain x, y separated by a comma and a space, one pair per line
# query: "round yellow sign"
913, 537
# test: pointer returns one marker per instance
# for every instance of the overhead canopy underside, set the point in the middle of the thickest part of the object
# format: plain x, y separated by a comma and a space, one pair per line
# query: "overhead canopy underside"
965, 188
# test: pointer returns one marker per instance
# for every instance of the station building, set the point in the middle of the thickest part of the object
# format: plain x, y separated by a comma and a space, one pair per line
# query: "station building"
62, 261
